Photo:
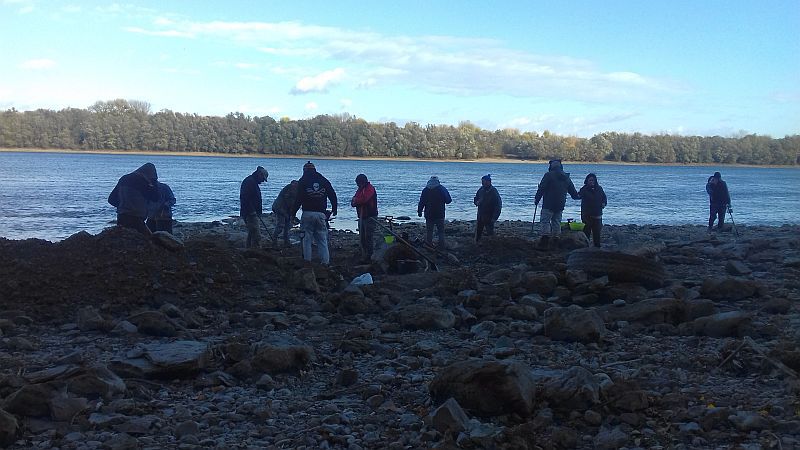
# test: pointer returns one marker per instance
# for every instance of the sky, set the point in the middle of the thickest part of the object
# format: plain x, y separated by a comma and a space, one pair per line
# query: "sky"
690, 67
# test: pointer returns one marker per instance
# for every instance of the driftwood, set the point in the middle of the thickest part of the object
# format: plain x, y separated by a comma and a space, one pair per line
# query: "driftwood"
756, 347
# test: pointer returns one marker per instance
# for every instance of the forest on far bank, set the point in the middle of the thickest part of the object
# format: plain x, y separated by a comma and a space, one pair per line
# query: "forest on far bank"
130, 125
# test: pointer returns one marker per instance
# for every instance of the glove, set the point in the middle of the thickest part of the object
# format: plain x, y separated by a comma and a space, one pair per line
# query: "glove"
419, 213
536, 203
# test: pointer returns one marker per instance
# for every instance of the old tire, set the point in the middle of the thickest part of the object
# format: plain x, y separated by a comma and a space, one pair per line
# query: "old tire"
620, 267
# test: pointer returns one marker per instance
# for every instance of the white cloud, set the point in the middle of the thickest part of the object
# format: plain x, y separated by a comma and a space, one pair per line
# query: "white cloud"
245, 66
311, 106
463, 66
319, 83
38, 64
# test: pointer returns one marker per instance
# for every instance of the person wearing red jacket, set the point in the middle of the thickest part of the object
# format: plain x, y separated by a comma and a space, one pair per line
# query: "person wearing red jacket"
366, 204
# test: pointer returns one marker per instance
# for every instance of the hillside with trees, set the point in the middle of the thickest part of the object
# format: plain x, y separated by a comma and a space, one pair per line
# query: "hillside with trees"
129, 125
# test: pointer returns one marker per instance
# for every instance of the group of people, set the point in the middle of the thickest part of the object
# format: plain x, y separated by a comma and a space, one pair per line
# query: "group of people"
145, 204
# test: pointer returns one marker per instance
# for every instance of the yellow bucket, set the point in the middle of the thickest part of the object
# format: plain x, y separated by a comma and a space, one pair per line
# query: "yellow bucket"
388, 239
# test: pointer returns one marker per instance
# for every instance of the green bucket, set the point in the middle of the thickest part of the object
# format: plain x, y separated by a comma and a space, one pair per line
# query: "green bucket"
389, 239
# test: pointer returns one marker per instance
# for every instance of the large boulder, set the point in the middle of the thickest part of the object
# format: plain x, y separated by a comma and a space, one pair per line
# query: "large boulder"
32, 400
573, 324
728, 288
539, 282
573, 389
486, 388
282, 355
8, 428
726, 324
652, 311
424, 316
619, 267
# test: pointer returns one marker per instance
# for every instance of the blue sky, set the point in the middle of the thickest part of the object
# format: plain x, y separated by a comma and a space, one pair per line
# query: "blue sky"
570, 67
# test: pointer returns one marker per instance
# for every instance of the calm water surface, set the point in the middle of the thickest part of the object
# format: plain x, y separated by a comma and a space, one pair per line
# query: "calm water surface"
54, 195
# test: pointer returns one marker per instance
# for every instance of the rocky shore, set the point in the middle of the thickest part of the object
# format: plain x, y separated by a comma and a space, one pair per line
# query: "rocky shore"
668, 337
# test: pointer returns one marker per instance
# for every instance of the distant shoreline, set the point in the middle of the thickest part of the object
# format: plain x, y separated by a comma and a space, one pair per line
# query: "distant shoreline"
374, 158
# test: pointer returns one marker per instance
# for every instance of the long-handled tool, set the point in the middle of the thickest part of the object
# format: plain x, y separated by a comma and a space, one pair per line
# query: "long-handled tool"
262, 223
399, 239
533, 222
730, 213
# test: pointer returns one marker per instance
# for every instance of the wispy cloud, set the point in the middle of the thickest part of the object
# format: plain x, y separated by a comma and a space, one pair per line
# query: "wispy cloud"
318, 83
455, 65
38, 64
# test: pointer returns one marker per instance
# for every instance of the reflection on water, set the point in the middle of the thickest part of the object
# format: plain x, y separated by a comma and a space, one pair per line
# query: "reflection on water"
54, 195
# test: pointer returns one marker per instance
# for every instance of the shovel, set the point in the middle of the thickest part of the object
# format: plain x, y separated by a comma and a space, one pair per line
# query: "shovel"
533, 222
399, 239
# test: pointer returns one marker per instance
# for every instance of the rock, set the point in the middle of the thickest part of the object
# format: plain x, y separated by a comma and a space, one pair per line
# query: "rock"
593, 418
649, 312
573, 240
187, 428
777, 306
352, 301
725, 324
573, 323
153, 323
346, 377
486, 388
178, 359
522, 312
735, 267
281, 356
305, 279
90, 320
728, 288
574, 389
265, 382
424, 316
449, 418
539, 282
64, 408
8, 428
122, 441
699, 308
608, 439
747, 421
168, 241
96, 381
32, 400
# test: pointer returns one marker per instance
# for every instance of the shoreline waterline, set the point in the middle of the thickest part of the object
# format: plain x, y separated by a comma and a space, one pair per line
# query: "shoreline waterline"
377, 158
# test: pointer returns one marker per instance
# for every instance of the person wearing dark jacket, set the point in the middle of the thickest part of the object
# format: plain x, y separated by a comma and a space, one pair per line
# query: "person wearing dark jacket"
365, 201
314, 191
553, 189
250, 205
159, 214
282, 208
131, 196
719, 200
489, 204
593, 200
432, 201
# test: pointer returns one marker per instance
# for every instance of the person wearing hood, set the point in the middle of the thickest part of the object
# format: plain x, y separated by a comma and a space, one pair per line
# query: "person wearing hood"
313, 193
719, 200
593, 200
282, 208
250, 205
365, 201
159, 214
553, 189
432, 201
489, 204
131, 197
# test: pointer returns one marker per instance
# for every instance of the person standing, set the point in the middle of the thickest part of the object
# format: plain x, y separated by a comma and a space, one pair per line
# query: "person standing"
489, 204
250, 204
432, 201
131, 196
593, 200
719, 200
365, 201
159, 216
313, 193
553, 188
282, 208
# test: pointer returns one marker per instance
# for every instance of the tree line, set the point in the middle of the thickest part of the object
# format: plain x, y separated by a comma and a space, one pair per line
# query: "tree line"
130, 125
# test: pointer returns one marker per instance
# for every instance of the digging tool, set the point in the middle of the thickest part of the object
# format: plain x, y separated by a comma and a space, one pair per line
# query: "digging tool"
262, 223
730, 213
533, 222
399, 239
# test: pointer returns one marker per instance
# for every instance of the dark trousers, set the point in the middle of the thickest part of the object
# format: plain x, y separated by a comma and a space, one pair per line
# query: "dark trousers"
715, 210
253, 231
282, 225
366, 234
429, 225
133, 222
592, 227
160, 225
481, 224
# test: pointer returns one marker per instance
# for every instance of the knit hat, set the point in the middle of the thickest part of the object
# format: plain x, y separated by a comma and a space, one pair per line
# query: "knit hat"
488, 176
433, 182
555, 164
262, 171
309, 166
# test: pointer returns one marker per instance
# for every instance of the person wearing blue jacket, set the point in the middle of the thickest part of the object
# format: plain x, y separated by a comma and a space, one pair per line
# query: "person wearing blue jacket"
250, 205
432, 202
553, 189
159, 214
131, 196
719, 200
489, 204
